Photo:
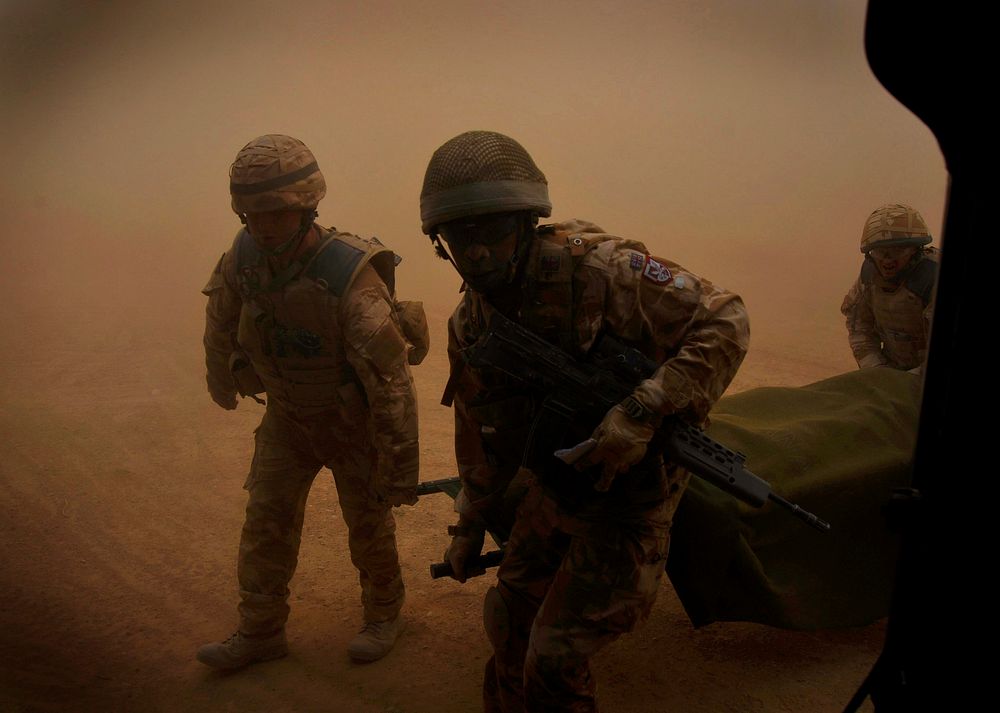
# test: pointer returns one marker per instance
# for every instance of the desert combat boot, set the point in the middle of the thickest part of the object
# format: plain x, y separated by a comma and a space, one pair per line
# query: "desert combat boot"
375, 639
240, 650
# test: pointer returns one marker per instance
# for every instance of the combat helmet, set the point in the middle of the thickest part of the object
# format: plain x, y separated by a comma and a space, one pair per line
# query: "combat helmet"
275, 172
478, 173
894, 224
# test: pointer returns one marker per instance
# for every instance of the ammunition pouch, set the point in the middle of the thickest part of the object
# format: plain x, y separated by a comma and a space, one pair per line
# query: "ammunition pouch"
413, 322
246, 379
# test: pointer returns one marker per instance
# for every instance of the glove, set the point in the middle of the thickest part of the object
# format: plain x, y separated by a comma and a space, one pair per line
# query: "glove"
621, 443
225, 399
466, 542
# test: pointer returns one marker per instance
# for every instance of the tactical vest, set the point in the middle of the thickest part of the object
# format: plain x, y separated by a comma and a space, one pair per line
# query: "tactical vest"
289, 323
898, 308
555, 307
549, 308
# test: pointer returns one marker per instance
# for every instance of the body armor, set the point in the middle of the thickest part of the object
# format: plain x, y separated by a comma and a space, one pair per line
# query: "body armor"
888, 321
289, 328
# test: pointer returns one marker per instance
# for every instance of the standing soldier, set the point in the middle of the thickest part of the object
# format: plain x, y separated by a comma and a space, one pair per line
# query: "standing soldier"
888, 308
587, 545
307, 315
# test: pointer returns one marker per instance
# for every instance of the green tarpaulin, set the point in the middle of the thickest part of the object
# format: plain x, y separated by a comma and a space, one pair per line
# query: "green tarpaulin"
836, 448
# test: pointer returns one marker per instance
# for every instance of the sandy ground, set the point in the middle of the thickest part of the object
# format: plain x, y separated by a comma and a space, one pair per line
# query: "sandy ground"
121, 508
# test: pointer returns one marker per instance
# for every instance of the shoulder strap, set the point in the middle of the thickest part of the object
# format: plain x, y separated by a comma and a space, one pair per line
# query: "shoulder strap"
342, 256
246, 257
548, 286
920, 281
245, 252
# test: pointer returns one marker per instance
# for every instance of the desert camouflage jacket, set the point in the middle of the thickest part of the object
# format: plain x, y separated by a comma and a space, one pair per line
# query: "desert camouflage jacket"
888, 321
579, 283
319, 354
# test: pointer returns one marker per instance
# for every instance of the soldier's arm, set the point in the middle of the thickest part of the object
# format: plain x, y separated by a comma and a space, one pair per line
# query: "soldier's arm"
376, 349
483, 482
222, 316
866, 345
701, 333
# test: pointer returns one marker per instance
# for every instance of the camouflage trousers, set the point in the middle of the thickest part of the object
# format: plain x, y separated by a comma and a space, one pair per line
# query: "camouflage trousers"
287, 456
568, 587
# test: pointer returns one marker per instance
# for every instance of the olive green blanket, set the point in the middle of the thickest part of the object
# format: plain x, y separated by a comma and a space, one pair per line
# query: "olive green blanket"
836, 448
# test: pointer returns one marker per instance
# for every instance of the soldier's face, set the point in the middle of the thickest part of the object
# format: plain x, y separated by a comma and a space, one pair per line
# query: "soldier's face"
272, 228
891, 260
482, 248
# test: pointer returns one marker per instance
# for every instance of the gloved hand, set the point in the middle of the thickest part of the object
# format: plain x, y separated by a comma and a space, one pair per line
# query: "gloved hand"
225, 399
621, 443
466, 542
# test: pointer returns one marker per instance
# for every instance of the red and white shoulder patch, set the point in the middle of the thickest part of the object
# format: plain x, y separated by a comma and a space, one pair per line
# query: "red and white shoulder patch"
656, 272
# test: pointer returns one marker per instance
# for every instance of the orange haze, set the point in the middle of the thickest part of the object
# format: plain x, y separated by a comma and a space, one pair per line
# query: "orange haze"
746, 141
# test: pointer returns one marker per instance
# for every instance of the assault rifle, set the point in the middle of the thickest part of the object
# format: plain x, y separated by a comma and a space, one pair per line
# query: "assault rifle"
578, 392
583, 391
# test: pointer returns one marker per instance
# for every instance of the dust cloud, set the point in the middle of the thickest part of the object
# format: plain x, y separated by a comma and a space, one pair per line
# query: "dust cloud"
746, 141
748, 144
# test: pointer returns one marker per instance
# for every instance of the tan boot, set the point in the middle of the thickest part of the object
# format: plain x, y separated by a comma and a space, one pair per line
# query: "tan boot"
240, 650
375, 639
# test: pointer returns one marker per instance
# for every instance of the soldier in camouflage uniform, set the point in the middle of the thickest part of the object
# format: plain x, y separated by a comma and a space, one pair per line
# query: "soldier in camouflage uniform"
587, 544
888, 308
308, 316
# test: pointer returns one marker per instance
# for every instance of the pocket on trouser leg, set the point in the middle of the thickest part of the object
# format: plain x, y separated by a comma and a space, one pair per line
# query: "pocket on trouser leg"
507, 619
635, 593
611, 584
272, 461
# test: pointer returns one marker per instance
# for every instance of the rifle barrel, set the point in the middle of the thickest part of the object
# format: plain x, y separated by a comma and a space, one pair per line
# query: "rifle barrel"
802, 514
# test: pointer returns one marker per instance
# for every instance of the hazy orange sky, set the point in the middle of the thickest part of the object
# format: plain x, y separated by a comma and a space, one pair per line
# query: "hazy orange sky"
747, 141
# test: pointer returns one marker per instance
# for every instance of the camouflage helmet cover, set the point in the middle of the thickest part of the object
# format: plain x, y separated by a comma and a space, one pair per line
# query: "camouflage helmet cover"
481, 172
275, 172
894, 224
